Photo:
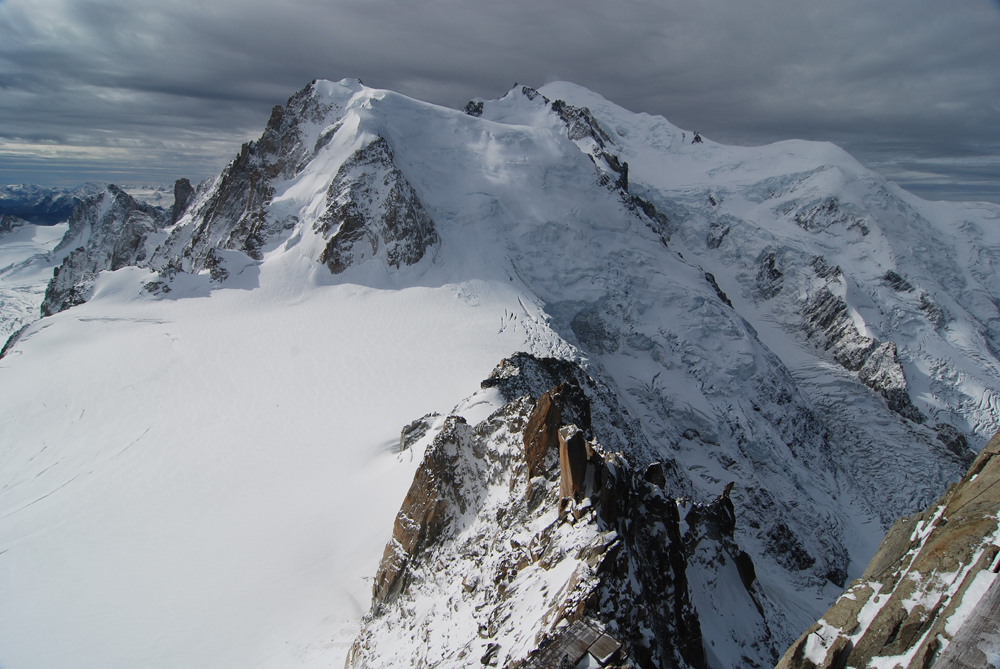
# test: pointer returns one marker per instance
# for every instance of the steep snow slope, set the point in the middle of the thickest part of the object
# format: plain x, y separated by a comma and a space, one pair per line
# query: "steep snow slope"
210, 445
783, 227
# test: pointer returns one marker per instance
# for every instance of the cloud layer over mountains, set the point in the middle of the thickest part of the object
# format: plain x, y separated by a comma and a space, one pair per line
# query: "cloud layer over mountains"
138, 90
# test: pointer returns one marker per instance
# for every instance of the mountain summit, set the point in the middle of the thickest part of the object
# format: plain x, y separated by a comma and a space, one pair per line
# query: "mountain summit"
669, 391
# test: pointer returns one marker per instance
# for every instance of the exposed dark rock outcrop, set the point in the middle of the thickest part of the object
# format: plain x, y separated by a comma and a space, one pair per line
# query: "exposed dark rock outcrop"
769, 277
474, 108
828, 322
825, 271
523, 374
415, 431
110, 230
718, 291
13, 339
827, 319
474, 516
817, 216
183, 194
583, 127
373, 211
234, 214
562, 405
9, 223
935, 314
436, 490
788, 550
953, 440
717, 232
883, 373
581, 124
897, 282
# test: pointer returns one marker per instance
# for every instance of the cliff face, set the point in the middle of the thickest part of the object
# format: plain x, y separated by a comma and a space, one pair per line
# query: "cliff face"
372, 210
519, 529
107, 231
233, 212
929, 596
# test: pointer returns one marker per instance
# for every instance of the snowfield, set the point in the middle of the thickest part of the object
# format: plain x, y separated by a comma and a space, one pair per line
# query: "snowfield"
25, 268
205, 473
210, 480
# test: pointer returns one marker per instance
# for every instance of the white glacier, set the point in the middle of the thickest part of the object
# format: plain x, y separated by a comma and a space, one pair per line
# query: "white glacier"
206, 477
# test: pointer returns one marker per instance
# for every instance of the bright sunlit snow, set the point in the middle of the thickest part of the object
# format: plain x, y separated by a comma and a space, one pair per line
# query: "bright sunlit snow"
207, 477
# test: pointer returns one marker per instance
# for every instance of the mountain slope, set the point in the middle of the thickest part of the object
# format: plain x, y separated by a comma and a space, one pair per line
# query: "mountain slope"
107, 231
932, 579
771, 317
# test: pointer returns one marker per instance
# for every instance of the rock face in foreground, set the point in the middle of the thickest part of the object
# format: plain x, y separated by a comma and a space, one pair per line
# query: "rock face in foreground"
928, 597
523, 533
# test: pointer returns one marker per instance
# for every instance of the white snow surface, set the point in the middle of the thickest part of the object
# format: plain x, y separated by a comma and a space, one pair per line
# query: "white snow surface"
26, 266
222, 498
207, 477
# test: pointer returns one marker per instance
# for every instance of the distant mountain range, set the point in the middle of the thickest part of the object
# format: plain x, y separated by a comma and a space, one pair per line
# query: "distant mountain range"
44, 205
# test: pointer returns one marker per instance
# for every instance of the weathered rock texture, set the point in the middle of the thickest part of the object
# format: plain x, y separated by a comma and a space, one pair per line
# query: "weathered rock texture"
562, 405
572, 462
828, 323
372, 210
234, 212
525, 523
183, 194
922, 587
106, 232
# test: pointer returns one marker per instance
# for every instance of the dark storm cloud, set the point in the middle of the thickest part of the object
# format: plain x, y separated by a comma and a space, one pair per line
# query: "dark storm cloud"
158, 90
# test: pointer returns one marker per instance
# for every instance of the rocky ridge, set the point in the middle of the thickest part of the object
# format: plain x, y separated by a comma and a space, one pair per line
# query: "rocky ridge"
8, 223
523, 524
922, 588
371, 208
106, 232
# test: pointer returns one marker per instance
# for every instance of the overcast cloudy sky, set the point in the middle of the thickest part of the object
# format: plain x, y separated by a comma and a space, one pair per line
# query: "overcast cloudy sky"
149, 91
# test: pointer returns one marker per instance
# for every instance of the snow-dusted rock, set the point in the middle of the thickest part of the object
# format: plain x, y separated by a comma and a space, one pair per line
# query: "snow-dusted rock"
9, 222
932, 578
518, 525
106, 232
373, 211
184, 192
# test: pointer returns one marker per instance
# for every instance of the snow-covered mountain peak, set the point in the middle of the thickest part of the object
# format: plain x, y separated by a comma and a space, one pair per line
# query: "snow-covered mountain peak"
775, 317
